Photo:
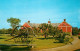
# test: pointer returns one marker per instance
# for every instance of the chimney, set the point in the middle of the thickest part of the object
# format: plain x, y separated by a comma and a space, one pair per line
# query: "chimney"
64, 20
49, 22
29, 22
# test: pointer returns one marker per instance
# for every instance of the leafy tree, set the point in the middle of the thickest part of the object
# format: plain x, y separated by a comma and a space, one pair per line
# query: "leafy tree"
79, 31
62, 37
22, 35
75, 31
46, 33
36, 31
44, 28
13, 22
50, 29
9, 30
47, 29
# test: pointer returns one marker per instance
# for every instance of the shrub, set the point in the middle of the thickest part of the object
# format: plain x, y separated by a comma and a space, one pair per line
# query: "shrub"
79, 37
62, 37
75, 31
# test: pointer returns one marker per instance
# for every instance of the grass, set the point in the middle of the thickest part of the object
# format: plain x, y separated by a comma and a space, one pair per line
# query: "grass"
41, 43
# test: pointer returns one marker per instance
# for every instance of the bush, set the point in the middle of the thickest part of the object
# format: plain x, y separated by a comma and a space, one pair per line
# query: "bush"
62, 37
75, 31
79, 37
5, 31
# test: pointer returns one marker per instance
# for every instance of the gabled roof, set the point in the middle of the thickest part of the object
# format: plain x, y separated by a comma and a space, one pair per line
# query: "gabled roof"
29, 25
26, 25
55, 24
34, 25
64, 23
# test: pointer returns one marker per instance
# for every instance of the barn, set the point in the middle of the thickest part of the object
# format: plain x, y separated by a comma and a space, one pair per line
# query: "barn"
26, 25
30, 25
65, 27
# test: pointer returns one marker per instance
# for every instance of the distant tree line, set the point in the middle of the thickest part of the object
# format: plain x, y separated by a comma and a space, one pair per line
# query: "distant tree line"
5, 31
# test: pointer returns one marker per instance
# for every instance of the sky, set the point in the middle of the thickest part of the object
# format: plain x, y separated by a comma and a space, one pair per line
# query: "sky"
40, 11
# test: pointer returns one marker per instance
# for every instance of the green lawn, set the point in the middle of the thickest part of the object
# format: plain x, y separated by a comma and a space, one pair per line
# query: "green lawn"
41, 43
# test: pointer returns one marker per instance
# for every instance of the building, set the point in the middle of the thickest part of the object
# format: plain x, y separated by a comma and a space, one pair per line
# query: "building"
65, 27
30, 25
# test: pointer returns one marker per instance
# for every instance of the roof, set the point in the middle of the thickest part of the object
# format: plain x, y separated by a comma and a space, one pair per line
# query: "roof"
31, 25
26, 25
64, 23
34, 25
37, 25
55, 24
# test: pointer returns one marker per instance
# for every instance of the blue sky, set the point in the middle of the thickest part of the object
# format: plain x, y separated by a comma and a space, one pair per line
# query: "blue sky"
39, 11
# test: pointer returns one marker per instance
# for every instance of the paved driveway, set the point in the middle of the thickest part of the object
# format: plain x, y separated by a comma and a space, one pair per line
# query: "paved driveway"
69, 47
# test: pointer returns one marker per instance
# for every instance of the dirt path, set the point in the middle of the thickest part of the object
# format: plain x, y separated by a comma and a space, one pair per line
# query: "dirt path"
69, 47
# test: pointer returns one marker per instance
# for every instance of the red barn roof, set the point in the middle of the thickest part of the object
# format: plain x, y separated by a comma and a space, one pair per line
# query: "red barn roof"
26, 25
64, 24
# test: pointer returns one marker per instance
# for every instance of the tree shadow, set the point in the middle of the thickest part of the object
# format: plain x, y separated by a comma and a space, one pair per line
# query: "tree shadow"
21, 49
77, 50
10, 48
2, 38
46, 38
3, 48
56, 42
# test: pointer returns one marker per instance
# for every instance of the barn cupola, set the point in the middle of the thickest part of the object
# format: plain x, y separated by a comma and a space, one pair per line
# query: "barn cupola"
49, 21
64, 20
28, 22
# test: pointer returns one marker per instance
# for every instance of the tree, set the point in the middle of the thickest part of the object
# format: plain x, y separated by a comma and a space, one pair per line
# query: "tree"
22, 35
3, 31
62, 37
47, 29
51, 30
35, 30
13, 22
75, 31
44, 28
9, 30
